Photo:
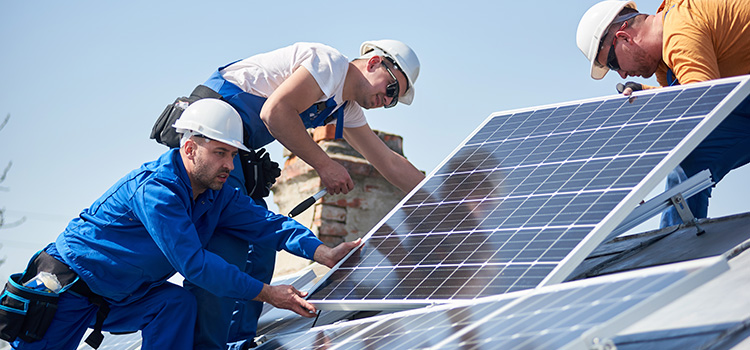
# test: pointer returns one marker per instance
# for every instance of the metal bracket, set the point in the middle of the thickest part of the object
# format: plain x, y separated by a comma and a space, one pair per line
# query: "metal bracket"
685, 214
682, 209
602, 344
663, 201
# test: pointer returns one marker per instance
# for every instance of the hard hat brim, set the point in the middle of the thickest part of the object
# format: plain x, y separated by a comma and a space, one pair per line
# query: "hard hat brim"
590, 48
598, 72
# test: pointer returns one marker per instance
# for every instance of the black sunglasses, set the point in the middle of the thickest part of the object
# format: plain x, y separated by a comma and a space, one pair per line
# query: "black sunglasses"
392, 89
612, 62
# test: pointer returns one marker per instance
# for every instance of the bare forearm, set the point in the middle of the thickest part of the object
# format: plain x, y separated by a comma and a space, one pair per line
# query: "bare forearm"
403, 174
285, 126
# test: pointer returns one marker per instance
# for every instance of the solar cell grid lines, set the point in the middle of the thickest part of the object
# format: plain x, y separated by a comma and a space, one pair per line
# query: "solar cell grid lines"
572, 314
564, 316
421, 329
410, 330
508, 207
316, 339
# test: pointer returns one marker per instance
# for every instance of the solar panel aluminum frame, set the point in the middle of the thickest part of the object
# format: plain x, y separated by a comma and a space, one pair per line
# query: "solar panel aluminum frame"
600, 231
612, 220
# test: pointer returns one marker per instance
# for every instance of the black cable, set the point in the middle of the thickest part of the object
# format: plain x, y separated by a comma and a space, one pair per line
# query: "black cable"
316, 318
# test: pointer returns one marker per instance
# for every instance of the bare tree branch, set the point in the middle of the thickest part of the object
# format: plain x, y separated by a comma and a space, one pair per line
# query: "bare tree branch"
4, 225
5, 121
7, 168
3, 174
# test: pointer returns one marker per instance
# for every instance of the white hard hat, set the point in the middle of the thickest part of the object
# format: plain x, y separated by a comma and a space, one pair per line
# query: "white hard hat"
214, 119
593, 27
405, 58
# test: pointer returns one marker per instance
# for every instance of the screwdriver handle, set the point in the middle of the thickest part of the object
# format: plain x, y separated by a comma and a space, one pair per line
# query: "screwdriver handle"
307, 203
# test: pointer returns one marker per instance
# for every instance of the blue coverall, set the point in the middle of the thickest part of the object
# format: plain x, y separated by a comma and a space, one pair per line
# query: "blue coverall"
726, 148
138, 234
258, 260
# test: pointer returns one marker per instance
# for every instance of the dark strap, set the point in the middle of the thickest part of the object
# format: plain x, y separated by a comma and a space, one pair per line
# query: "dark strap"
339, 116
45, 262
202, 91
671, 79
95, 338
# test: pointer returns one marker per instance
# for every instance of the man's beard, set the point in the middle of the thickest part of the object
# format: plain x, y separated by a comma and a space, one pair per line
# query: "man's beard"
208, 179
647, 64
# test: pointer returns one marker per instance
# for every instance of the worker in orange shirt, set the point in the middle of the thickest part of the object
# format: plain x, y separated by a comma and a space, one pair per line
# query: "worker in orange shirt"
686, 41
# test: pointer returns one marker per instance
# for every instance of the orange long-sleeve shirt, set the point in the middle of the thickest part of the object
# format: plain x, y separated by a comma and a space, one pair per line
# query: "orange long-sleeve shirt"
705, 39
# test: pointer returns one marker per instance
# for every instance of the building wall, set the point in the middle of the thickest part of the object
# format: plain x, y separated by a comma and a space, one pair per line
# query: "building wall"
335, 218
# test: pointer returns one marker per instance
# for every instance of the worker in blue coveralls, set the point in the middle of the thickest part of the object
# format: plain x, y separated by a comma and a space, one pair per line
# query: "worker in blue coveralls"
157, 220
280, 94
686, 41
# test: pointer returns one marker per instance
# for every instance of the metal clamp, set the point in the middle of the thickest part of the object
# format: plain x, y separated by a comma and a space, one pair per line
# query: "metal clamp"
685, 214
602, 344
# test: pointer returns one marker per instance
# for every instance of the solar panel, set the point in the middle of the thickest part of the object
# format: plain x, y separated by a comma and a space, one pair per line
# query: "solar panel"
526, 197
319, 338
131, 341
274, 321
569, 315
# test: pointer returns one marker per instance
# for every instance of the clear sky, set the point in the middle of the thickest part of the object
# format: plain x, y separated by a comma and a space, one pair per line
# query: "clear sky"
84, 81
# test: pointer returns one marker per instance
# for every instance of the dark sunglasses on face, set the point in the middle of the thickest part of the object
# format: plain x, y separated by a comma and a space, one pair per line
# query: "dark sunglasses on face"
391, 90
612, 62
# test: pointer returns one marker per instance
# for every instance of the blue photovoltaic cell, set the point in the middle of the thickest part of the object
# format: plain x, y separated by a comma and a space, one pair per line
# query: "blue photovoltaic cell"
415, 330
512, 202
545, 318
552, 320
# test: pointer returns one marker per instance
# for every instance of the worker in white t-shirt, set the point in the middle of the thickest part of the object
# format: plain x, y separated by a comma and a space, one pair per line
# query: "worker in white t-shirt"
280, 94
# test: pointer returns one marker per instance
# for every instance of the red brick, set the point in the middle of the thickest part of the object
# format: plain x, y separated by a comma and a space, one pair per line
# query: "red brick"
325, 132
330, 212
295, 168
358, 168
346, 201
332, 228
370, 188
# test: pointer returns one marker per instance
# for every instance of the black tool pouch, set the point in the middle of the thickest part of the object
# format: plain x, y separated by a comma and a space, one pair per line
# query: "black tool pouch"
25, 313
162, 131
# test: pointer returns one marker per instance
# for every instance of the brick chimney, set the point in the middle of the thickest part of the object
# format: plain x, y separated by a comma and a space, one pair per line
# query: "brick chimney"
335, 218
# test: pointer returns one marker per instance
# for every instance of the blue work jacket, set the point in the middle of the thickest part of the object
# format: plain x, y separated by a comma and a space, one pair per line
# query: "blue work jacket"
147, 227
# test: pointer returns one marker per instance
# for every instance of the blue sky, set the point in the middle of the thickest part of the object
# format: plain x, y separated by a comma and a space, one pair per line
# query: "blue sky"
84, 81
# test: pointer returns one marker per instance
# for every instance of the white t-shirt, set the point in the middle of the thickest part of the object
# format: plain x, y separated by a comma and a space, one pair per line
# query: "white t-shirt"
261, 74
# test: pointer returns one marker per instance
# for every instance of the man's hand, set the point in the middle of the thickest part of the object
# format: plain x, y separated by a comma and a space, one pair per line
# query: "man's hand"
335, 178
628, 88
286, 297
331, 256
